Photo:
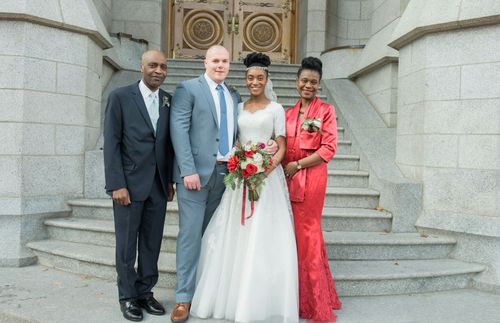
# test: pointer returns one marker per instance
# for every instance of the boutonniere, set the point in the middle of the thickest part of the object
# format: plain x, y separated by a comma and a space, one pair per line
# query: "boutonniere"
231, 88
166, 102
311, 125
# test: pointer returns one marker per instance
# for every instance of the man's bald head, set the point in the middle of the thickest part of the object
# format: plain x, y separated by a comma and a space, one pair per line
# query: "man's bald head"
153, 68
217, 63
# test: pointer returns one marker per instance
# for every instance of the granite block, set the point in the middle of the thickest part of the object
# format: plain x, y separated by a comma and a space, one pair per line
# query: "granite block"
38, 139
10, 185
480, 81
479, 152
52, 175
11, 136
11, 105
349, 9
10, 206
72, 79
440, 151
12, 37
69, 140
53, 44
12, 72
442, 83
54, 108
460, 190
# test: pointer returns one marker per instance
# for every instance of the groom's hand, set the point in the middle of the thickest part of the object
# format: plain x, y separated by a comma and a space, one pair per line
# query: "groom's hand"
272, 147
192, 182
121, 196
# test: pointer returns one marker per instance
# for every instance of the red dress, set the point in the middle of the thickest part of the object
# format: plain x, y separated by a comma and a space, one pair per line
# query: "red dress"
317, 295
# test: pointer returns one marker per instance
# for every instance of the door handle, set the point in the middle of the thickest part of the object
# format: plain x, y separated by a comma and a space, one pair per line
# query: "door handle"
233, 25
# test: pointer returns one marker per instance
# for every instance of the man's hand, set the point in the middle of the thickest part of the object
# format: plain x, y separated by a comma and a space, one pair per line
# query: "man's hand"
171, 192
121, 196
192, 182
272, 147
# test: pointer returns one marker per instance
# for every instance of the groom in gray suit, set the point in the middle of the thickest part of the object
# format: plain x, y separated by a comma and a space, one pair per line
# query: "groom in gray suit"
138, 158
203, 127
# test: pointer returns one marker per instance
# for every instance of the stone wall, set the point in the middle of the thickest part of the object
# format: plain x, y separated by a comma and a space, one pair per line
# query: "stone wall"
312, 24
448, 134
49, 113
348, 22
381, 88
377, 67
140, 18
104, 8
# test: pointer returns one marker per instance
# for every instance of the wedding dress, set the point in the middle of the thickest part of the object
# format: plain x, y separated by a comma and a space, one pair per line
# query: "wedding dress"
248, 273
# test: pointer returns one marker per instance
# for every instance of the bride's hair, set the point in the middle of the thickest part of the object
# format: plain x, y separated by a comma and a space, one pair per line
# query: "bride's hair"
257, 60
313, 64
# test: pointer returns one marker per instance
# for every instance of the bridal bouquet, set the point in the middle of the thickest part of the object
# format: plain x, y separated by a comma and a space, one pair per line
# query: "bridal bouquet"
247, 166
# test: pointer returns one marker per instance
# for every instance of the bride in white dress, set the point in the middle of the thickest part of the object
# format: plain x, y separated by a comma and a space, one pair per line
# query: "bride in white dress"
248, 273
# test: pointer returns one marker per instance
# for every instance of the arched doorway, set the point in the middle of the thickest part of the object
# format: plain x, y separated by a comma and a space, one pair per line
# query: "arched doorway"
240, 26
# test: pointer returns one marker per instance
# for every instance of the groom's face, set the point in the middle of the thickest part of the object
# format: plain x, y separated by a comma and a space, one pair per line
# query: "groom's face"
217, 63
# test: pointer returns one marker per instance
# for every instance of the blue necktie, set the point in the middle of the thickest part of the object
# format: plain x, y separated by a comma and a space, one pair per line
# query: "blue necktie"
223, 143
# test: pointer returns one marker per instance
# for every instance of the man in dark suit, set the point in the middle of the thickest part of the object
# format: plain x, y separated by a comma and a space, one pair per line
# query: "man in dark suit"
138, 158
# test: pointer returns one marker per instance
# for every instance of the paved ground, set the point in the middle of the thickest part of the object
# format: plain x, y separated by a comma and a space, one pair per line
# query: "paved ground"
40, 294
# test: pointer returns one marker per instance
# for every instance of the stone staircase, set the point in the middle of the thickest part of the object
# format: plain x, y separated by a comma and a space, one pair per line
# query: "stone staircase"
366, 258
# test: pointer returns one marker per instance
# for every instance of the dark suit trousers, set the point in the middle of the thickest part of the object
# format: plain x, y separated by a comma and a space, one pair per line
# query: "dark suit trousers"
139, 227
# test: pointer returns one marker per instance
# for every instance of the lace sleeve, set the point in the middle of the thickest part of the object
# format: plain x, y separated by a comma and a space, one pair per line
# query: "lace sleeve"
279, 121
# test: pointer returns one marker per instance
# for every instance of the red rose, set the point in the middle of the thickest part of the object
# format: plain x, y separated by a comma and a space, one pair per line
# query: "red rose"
233, 163
249, 170
249, 154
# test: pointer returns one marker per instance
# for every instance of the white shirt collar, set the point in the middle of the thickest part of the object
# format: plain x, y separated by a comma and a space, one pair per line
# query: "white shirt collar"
212, 84
145, 91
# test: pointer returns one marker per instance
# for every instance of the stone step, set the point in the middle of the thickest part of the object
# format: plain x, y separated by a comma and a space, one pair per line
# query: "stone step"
351, 197
352, 278
340, 245
334, 218
358, 278
345, 162
232, 78
347, 178
355, 219
386, 246
197, 67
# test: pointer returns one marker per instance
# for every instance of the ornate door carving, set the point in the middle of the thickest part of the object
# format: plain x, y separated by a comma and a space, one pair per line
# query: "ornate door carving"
240, 26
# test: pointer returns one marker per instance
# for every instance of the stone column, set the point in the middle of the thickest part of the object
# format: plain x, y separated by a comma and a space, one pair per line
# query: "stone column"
448, 133
50, 65
312, 28
140, 18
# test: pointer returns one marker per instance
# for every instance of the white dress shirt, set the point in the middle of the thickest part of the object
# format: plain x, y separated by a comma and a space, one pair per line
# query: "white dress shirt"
148, 97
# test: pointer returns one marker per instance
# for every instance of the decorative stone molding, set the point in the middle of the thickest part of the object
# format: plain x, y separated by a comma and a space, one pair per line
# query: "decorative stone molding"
79, 16
376, 53
422, 17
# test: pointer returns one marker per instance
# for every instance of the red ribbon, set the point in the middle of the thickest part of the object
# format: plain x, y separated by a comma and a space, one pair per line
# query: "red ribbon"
243, 207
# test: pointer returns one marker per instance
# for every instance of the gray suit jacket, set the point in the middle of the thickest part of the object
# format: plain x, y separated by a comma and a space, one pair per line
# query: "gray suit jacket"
132, 151
194, 129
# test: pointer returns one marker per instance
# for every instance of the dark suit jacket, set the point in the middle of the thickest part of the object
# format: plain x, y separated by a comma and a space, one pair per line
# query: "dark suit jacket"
132, 152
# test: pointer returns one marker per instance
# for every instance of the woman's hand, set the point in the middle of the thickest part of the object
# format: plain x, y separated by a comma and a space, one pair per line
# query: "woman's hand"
291, 168
273, 166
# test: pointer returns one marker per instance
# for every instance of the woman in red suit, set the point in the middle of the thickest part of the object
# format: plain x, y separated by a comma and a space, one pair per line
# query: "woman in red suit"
311, 141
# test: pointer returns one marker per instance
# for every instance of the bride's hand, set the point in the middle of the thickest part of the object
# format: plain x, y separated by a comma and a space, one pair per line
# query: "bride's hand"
273, 166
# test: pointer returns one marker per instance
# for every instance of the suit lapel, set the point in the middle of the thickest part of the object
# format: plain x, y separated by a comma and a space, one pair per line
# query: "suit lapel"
136, 94
234, 96
163, 119
205, 89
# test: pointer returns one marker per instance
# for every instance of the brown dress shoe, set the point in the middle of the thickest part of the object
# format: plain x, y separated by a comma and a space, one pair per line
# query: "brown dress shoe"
180, 313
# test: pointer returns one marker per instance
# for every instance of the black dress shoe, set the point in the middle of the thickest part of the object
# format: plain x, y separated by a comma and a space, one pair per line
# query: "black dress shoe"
131, 311
151, 305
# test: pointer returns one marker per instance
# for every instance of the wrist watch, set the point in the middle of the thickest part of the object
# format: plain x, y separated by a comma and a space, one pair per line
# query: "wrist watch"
299, 166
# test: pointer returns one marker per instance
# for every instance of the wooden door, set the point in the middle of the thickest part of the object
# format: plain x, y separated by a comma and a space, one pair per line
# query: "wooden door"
240, 26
